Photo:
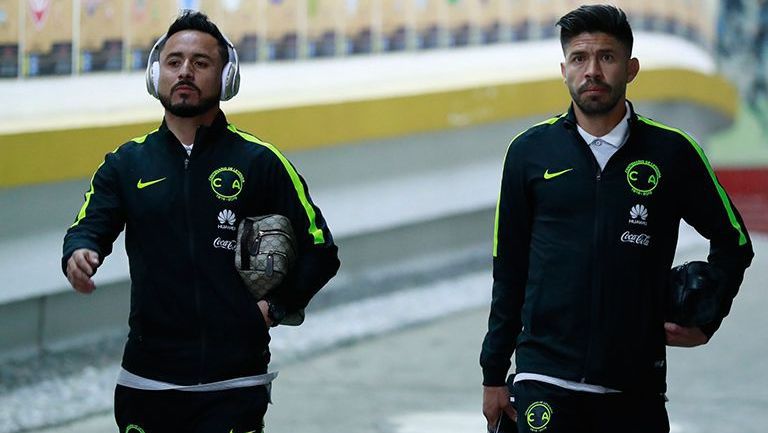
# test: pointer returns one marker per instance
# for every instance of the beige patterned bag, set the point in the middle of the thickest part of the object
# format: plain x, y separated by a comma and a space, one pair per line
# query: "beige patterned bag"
265, 253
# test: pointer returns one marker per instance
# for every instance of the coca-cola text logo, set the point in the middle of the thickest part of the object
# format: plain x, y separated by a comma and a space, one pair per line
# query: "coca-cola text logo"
639, 239
224, 244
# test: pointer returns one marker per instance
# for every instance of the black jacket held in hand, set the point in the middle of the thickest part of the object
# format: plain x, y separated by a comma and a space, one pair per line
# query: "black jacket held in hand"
192, 320
582, 257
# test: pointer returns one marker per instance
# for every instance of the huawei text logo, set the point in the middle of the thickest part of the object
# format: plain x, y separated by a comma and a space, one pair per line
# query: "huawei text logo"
227, 220
638, 215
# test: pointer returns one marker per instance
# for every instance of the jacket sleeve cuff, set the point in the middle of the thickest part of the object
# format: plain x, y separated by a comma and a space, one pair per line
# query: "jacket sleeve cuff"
69, 249
494, 377
710, 328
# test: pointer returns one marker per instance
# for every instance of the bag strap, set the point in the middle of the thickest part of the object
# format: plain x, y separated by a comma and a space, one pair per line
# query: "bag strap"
245, 254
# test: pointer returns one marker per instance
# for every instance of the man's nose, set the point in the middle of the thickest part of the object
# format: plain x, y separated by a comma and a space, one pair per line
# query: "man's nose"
186, 71
593, 69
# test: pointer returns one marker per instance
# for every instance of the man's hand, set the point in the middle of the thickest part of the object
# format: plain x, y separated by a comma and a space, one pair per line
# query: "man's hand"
264, 307
80, 267
681, 336
495, 400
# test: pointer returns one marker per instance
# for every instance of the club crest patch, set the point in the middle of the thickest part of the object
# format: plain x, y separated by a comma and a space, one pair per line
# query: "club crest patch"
227, 183
643, 177
538, 415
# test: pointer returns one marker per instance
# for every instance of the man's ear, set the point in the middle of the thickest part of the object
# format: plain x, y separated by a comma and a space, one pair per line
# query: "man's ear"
633, 67
562, 70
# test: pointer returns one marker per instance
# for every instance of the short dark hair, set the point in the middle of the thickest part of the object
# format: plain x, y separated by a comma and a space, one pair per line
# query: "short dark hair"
593, 19
194, 20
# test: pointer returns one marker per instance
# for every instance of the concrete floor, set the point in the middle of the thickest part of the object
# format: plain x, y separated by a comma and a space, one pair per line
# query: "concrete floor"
426, 379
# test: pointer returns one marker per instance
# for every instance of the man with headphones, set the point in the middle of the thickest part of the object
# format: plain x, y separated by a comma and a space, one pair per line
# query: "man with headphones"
197, 352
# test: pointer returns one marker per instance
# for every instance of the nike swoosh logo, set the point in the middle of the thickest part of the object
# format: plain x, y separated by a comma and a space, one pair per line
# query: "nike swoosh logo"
141, 185
233, 431
548, 175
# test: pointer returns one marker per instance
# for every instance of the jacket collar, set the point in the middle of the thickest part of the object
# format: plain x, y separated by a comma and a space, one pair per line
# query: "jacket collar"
204, 135
570, 117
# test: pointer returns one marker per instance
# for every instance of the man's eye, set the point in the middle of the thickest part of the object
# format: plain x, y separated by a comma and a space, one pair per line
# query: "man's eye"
607, 57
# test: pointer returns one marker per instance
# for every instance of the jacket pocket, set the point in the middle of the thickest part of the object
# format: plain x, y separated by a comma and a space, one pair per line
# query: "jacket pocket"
261, 324
560, 301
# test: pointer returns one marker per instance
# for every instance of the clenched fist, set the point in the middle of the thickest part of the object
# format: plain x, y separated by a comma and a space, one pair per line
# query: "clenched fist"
80, 268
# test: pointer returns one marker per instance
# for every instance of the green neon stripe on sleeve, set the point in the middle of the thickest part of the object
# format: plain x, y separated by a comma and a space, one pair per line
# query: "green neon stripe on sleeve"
315, 232
498, 201
81, 214
143, 138
496, 227
720, 190
84, 208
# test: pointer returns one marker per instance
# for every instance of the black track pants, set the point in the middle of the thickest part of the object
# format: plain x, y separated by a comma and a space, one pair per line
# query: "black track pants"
545, 408
239, 410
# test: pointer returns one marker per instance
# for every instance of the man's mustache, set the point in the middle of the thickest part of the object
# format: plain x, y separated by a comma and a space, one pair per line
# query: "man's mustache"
185, 83
592, 85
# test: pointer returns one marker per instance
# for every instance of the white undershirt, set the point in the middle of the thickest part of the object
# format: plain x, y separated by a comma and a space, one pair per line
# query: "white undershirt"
130, 380
604, 147
562, 383
188, 148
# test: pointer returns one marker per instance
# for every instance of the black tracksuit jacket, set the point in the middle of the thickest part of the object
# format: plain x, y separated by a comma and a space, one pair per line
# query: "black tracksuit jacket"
192, 320
581, 257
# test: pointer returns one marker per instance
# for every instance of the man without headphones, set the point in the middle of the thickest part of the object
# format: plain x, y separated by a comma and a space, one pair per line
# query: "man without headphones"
586, 231
197, 351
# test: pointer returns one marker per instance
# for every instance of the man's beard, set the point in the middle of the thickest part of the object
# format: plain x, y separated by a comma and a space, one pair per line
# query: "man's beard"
184, 109
596, 107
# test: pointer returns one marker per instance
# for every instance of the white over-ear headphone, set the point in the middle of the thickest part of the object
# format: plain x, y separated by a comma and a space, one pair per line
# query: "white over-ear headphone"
230, 74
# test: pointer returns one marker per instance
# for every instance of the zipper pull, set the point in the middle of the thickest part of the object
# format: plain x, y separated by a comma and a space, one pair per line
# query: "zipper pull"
270, 264
186, 163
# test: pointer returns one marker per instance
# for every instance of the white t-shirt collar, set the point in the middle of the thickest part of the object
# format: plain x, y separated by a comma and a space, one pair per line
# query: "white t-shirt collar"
616, 137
